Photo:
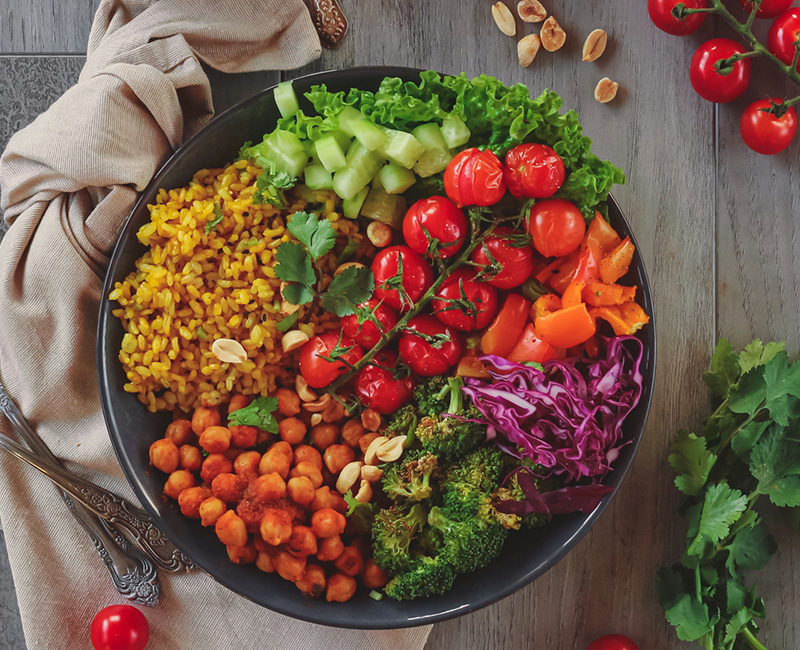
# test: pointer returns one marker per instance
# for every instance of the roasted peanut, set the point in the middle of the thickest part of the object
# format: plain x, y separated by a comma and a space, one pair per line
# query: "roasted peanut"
504, 19
605, 90
551, 35
531, 11
595, 45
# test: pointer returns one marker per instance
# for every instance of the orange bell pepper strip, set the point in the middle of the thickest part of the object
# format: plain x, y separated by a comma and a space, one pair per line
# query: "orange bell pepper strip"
628, 318
592, 347
546, 304
566, 327
598, 294
559, 273
614, 265
506, 327
472, 367
602, 235
588, 270
531, 348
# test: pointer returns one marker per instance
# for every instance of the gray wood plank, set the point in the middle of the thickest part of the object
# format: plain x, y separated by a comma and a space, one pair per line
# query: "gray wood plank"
46, 26
606, 583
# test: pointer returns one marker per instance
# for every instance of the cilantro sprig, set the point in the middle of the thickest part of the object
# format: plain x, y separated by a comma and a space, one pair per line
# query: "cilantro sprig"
259, 413
748, 448
271, 186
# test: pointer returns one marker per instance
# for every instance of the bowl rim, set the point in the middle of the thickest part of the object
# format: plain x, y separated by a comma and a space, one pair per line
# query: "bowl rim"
102, 360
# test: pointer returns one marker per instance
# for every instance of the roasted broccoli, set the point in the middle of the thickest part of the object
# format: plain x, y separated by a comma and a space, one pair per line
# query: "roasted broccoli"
467, 545
431, 397
393, 531
403, 421
449, 437
428, 576
410, 478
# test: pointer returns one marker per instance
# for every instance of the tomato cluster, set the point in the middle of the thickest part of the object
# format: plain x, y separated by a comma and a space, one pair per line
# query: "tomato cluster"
720, 68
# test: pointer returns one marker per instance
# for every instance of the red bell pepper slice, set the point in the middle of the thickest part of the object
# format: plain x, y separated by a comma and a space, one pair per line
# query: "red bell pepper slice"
506, 328
531, 348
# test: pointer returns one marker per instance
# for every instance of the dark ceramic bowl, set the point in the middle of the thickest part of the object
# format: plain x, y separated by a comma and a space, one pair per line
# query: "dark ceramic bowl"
526, 555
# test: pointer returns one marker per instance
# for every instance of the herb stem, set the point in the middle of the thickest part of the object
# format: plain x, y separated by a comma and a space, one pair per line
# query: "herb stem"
751, 640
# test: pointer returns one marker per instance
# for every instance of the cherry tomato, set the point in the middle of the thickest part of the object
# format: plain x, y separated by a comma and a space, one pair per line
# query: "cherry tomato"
613, 642
317, 371
782, 35
474, 177
366, 333
767, 8
120, 627
557, 227
514, 257
442, 219
710, 84
533, 171
506, 328
424, 358
417, 276
661, 15
478, 306
765, 133
378, 389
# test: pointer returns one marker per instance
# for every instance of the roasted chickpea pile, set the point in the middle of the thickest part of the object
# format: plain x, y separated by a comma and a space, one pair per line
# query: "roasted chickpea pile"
282, 510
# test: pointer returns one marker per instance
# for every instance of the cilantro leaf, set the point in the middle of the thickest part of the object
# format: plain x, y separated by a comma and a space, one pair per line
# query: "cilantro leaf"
270, 186
347, 290
316, 234
721, 508
218, 217
360, 515
775, 464
294, 266
724, 369
259, 414
735, 594
298, 294
750, 549
349, 250
670, 586
692, 461
782, 387
748, 436
286, 323
737, 622
757, 354
690, 618
749, 394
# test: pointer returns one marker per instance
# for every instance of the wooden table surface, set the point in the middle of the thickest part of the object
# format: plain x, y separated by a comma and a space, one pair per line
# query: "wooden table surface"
717, 226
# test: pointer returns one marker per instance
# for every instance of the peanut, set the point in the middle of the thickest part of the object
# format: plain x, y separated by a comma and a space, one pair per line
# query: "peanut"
228, 351
595, 45
605, 90
531, 11
552, 36
348, 476
527, 48
504, 19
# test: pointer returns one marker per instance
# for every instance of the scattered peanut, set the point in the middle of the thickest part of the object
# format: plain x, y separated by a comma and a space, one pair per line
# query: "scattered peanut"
228, 351
391, 450
595, 45
552, 36
348, 476
605, 90
371, 455
527, 49
531, 11
379, 234
305, 393
364, 493
318, 406
293, 340
343, 267
287, 308
504, 19
371, 473
334, 412
371, 420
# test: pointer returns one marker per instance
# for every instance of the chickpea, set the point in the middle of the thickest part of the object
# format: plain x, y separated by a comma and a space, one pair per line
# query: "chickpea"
365, 441
231, 529
246, 465
350, 562
179, 481
228, 487
261, 545
277, 459
243, 436
180, 432
352, 431
301, 490
289, 567
373, 576
268, 487
164, 455
327, 523
214, 465
204, 417
190, 499
211, 510
288, 402
324, 498
324, 435
307, 453
330, 548
337, 456
340, 588
190, 458
264, 563
292, 430
276, 526
232, 453
246, 554
238, 402
303, 542
309, 470
312, 584
215, 439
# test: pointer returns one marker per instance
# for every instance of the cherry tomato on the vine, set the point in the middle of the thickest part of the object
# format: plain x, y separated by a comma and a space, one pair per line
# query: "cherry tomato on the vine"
414, 280
533, 171
377, 387
613, 642
783, 34
557, 227
661, 15
319, 372
767, 8
711, 84
366, 333
765, 133
464, 302
474, 177
515, 257
434, 357
443, 220
119, 627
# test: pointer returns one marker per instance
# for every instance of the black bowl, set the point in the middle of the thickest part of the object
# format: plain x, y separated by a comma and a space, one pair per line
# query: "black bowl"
526, 555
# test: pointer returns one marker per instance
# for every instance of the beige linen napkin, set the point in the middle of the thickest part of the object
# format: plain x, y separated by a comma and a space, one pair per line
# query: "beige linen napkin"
68, 181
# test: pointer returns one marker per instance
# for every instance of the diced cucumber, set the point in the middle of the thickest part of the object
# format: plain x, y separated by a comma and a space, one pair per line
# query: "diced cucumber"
362, 165
285, 99
371, 136
402, 148
454, 131
342, 139
346, 117
352, 207
396, 179
385, 207
283, 151
330, 153
318, 178
437, 153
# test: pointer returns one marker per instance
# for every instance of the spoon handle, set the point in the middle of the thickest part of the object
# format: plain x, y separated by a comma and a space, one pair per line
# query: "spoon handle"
329, 21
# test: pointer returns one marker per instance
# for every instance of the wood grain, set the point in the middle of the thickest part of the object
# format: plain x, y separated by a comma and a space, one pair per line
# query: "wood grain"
45, 26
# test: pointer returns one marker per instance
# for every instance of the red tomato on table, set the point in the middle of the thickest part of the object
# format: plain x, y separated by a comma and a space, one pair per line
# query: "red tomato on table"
514, 258
474, 177
613, 642
442, 219
425, 358
782, 35
765, 133
708, 82
661, 15
120, 627
533, 171
319, 372
557, 227
465, 303
415, 279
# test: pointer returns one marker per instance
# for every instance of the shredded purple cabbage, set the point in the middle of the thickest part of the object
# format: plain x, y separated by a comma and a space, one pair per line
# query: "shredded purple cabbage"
567, 418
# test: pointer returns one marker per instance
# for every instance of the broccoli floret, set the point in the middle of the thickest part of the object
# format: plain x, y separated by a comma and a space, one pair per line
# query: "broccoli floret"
431, 397
393, 530
429, 576
480, 468
410, 478
403, 421
467, 545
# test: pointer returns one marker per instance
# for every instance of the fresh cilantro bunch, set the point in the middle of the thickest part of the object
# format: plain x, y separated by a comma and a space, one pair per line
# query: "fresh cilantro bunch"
295, 266
749, 448
260, 413
270, 187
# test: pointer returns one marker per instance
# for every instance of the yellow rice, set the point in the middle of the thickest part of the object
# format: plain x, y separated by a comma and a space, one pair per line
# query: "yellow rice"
191, 288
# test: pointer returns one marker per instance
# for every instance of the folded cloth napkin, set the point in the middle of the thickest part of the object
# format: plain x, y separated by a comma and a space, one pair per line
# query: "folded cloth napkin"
68, 181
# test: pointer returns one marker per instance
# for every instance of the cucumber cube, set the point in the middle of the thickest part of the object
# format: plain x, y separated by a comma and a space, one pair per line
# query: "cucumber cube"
381, 206
346, 117
352, 207
318, 178
362, 165
437, 153
402, 148
330, 154
371, 136
283, 151
396, 179
454, 131
286, 99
